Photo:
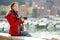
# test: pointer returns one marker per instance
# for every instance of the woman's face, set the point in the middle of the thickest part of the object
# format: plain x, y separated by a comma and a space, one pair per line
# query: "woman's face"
15, 7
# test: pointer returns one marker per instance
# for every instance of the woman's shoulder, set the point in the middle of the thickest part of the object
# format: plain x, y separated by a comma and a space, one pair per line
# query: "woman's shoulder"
10, 14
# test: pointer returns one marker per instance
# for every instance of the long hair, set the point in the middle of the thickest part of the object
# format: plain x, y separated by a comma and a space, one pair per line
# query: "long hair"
14, 12
10, 7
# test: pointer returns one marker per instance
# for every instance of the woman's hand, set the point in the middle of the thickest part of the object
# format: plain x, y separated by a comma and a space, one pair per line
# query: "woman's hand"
22, 19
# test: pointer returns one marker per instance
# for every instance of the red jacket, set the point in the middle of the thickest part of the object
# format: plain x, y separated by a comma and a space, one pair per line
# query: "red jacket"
13, 23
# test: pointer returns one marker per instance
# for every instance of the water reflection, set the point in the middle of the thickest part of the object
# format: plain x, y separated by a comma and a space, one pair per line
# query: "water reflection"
34, 30
43, 31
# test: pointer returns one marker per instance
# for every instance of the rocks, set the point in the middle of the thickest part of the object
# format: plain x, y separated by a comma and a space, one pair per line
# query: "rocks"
50, 39
54, 39
8, 38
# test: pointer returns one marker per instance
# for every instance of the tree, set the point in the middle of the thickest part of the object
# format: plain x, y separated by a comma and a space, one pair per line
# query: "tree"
2, 12
35, 12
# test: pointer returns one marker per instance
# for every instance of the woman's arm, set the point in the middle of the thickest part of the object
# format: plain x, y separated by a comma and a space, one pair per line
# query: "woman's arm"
11, 19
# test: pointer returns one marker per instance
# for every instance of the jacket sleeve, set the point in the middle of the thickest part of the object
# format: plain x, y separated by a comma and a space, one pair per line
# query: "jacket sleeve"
12, 21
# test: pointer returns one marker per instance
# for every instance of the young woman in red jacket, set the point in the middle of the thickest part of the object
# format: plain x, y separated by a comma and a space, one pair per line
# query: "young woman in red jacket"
16, 23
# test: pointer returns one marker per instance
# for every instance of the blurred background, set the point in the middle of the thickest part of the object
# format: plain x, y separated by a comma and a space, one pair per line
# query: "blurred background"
33, 8
43, 17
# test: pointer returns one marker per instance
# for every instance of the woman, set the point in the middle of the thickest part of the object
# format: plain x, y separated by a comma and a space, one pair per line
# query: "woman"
16, 23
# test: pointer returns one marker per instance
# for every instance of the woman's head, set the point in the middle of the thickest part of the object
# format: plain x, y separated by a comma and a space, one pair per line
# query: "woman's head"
14, 6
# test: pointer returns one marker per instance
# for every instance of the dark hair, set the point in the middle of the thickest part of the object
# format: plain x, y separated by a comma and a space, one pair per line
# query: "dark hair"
12, 5
12, 10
